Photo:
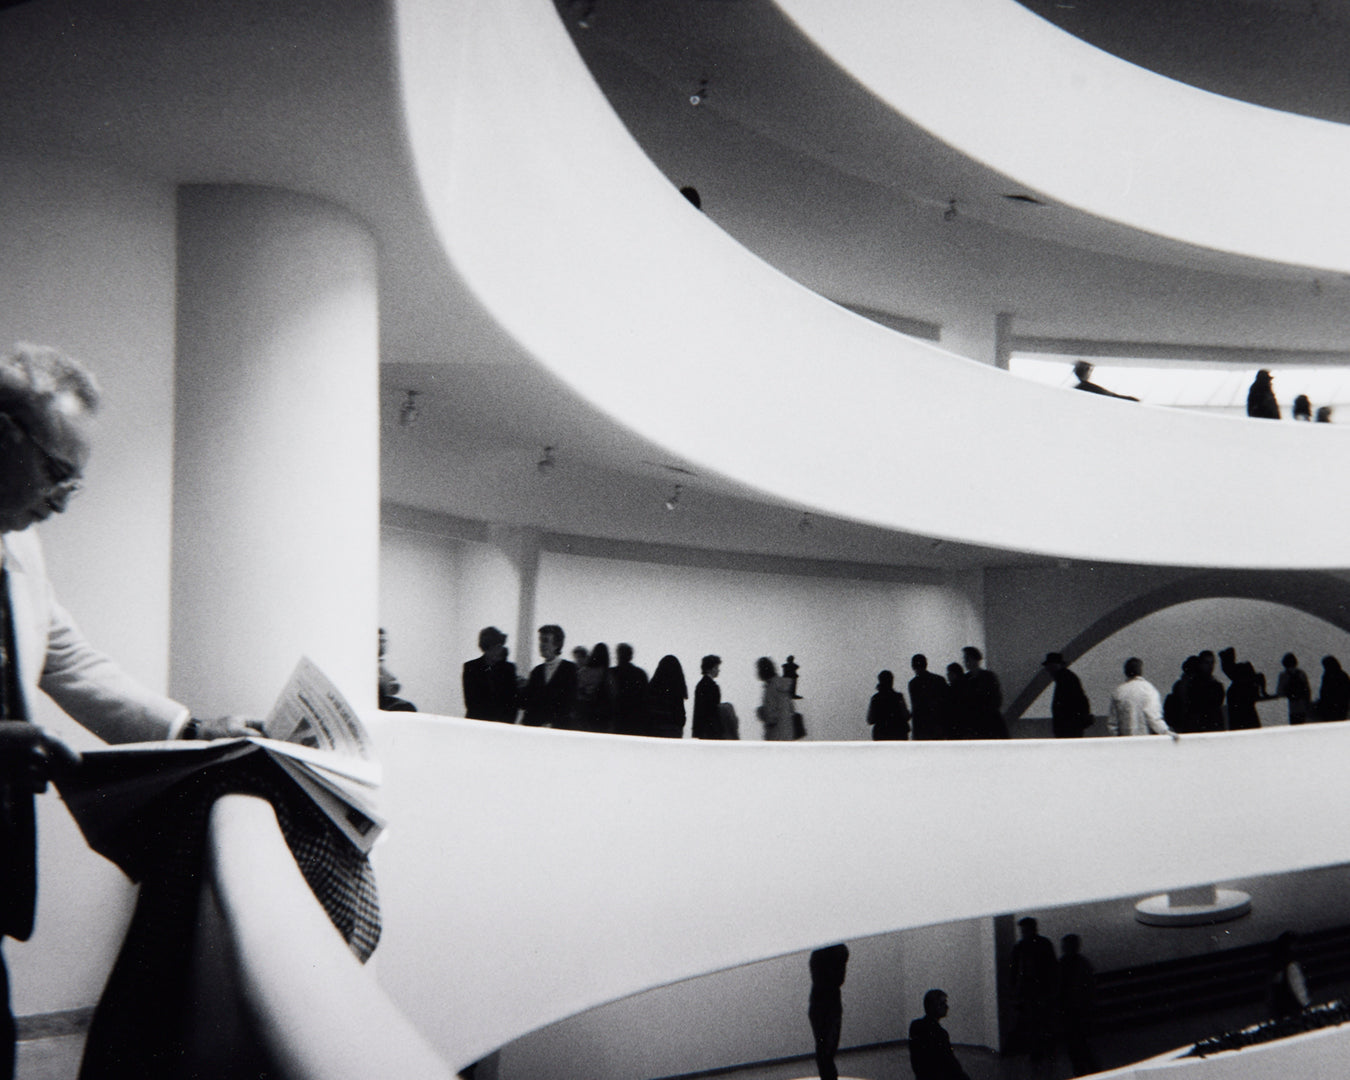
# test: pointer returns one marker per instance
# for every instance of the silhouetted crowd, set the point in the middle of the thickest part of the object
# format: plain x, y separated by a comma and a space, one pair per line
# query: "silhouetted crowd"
967, 704
1261, 401
588, 693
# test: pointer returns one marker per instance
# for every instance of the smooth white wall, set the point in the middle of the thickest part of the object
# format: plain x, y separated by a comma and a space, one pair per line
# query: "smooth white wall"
276, 489
423, 586
842, 632
89, 258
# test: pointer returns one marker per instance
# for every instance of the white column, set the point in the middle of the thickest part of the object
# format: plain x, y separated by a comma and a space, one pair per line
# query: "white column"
276, 489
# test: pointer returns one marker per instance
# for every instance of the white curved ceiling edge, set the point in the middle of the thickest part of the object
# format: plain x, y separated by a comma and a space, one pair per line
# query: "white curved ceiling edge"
589, 258
534, 874
1091, 130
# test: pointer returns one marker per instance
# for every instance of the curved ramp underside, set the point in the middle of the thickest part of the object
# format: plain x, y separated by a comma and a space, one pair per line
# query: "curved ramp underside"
589, 258
530, 874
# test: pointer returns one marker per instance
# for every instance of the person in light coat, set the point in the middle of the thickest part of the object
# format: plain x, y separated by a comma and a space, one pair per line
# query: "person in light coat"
1136, 707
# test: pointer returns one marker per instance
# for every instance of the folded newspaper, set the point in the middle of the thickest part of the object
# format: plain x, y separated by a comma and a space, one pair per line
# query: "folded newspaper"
312, 733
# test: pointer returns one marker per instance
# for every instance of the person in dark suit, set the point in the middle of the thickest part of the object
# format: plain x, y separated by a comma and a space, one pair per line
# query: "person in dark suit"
929, 700
1248, 686
930, 1047
1070, 713
1261, 402
887, 713
708, 701
628, 693
979, 700
1033, 978
825, 1010
552, 690
1204, 697
489, 680
1333, 697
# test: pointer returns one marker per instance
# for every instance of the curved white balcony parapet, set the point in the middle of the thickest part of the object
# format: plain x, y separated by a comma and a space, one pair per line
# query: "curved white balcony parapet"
1095, 132
588, 256
530, 874
318, 1014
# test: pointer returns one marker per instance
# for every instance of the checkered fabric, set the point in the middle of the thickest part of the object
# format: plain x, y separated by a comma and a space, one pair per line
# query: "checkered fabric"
141, 1025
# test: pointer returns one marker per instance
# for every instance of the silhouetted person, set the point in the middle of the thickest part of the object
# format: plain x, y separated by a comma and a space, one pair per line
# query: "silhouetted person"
1288, 989
791, 669
1204, 701
1324, 414
1083, 372
592, 709
552, 688
956, 677
930, 1047
826, 1008
929, 700
489, 680
666, 695
1247, 686
887, 713
979, 700
775, 707
1033, 979
1261, 401
1136, 708
629, 685
1070, 713
389, 688
708, 701
1176, 706
1293, 686
1302, 408
1333, 698
1077, 1005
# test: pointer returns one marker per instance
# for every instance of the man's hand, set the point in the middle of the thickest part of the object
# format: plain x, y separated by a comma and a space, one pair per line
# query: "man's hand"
226, 727
32, 755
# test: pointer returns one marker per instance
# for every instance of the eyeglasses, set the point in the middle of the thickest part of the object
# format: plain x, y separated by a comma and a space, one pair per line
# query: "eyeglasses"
63, 477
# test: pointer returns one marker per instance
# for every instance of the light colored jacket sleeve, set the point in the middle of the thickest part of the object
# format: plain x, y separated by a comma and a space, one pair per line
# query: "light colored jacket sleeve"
1113, 717
55, 657
1153, 714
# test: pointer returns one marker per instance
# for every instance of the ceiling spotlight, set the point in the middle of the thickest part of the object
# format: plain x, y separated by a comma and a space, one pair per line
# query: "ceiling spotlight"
700, 95
545, 464
674, 499
950, 214
407, 412
806, 524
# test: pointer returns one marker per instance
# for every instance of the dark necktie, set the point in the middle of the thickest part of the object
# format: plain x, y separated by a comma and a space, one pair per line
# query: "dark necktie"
18, 832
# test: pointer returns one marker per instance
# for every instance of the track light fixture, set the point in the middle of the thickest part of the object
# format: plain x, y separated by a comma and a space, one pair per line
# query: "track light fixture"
407, 412
700, 94
951, 213
806, 524
545, 464
674, 499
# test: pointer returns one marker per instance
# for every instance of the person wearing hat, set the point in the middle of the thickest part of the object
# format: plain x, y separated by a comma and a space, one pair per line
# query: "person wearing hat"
1070, 713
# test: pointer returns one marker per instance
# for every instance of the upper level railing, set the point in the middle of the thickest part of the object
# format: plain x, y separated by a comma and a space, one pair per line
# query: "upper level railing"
582, 251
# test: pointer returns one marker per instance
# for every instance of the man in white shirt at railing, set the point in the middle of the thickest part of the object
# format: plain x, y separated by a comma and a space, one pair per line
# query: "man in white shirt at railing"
1136, 707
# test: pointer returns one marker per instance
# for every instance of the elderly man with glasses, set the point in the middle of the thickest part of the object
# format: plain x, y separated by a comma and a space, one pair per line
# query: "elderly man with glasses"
47, 403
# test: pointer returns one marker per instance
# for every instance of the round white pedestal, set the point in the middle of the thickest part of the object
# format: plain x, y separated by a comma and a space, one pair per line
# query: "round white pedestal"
1163, 910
